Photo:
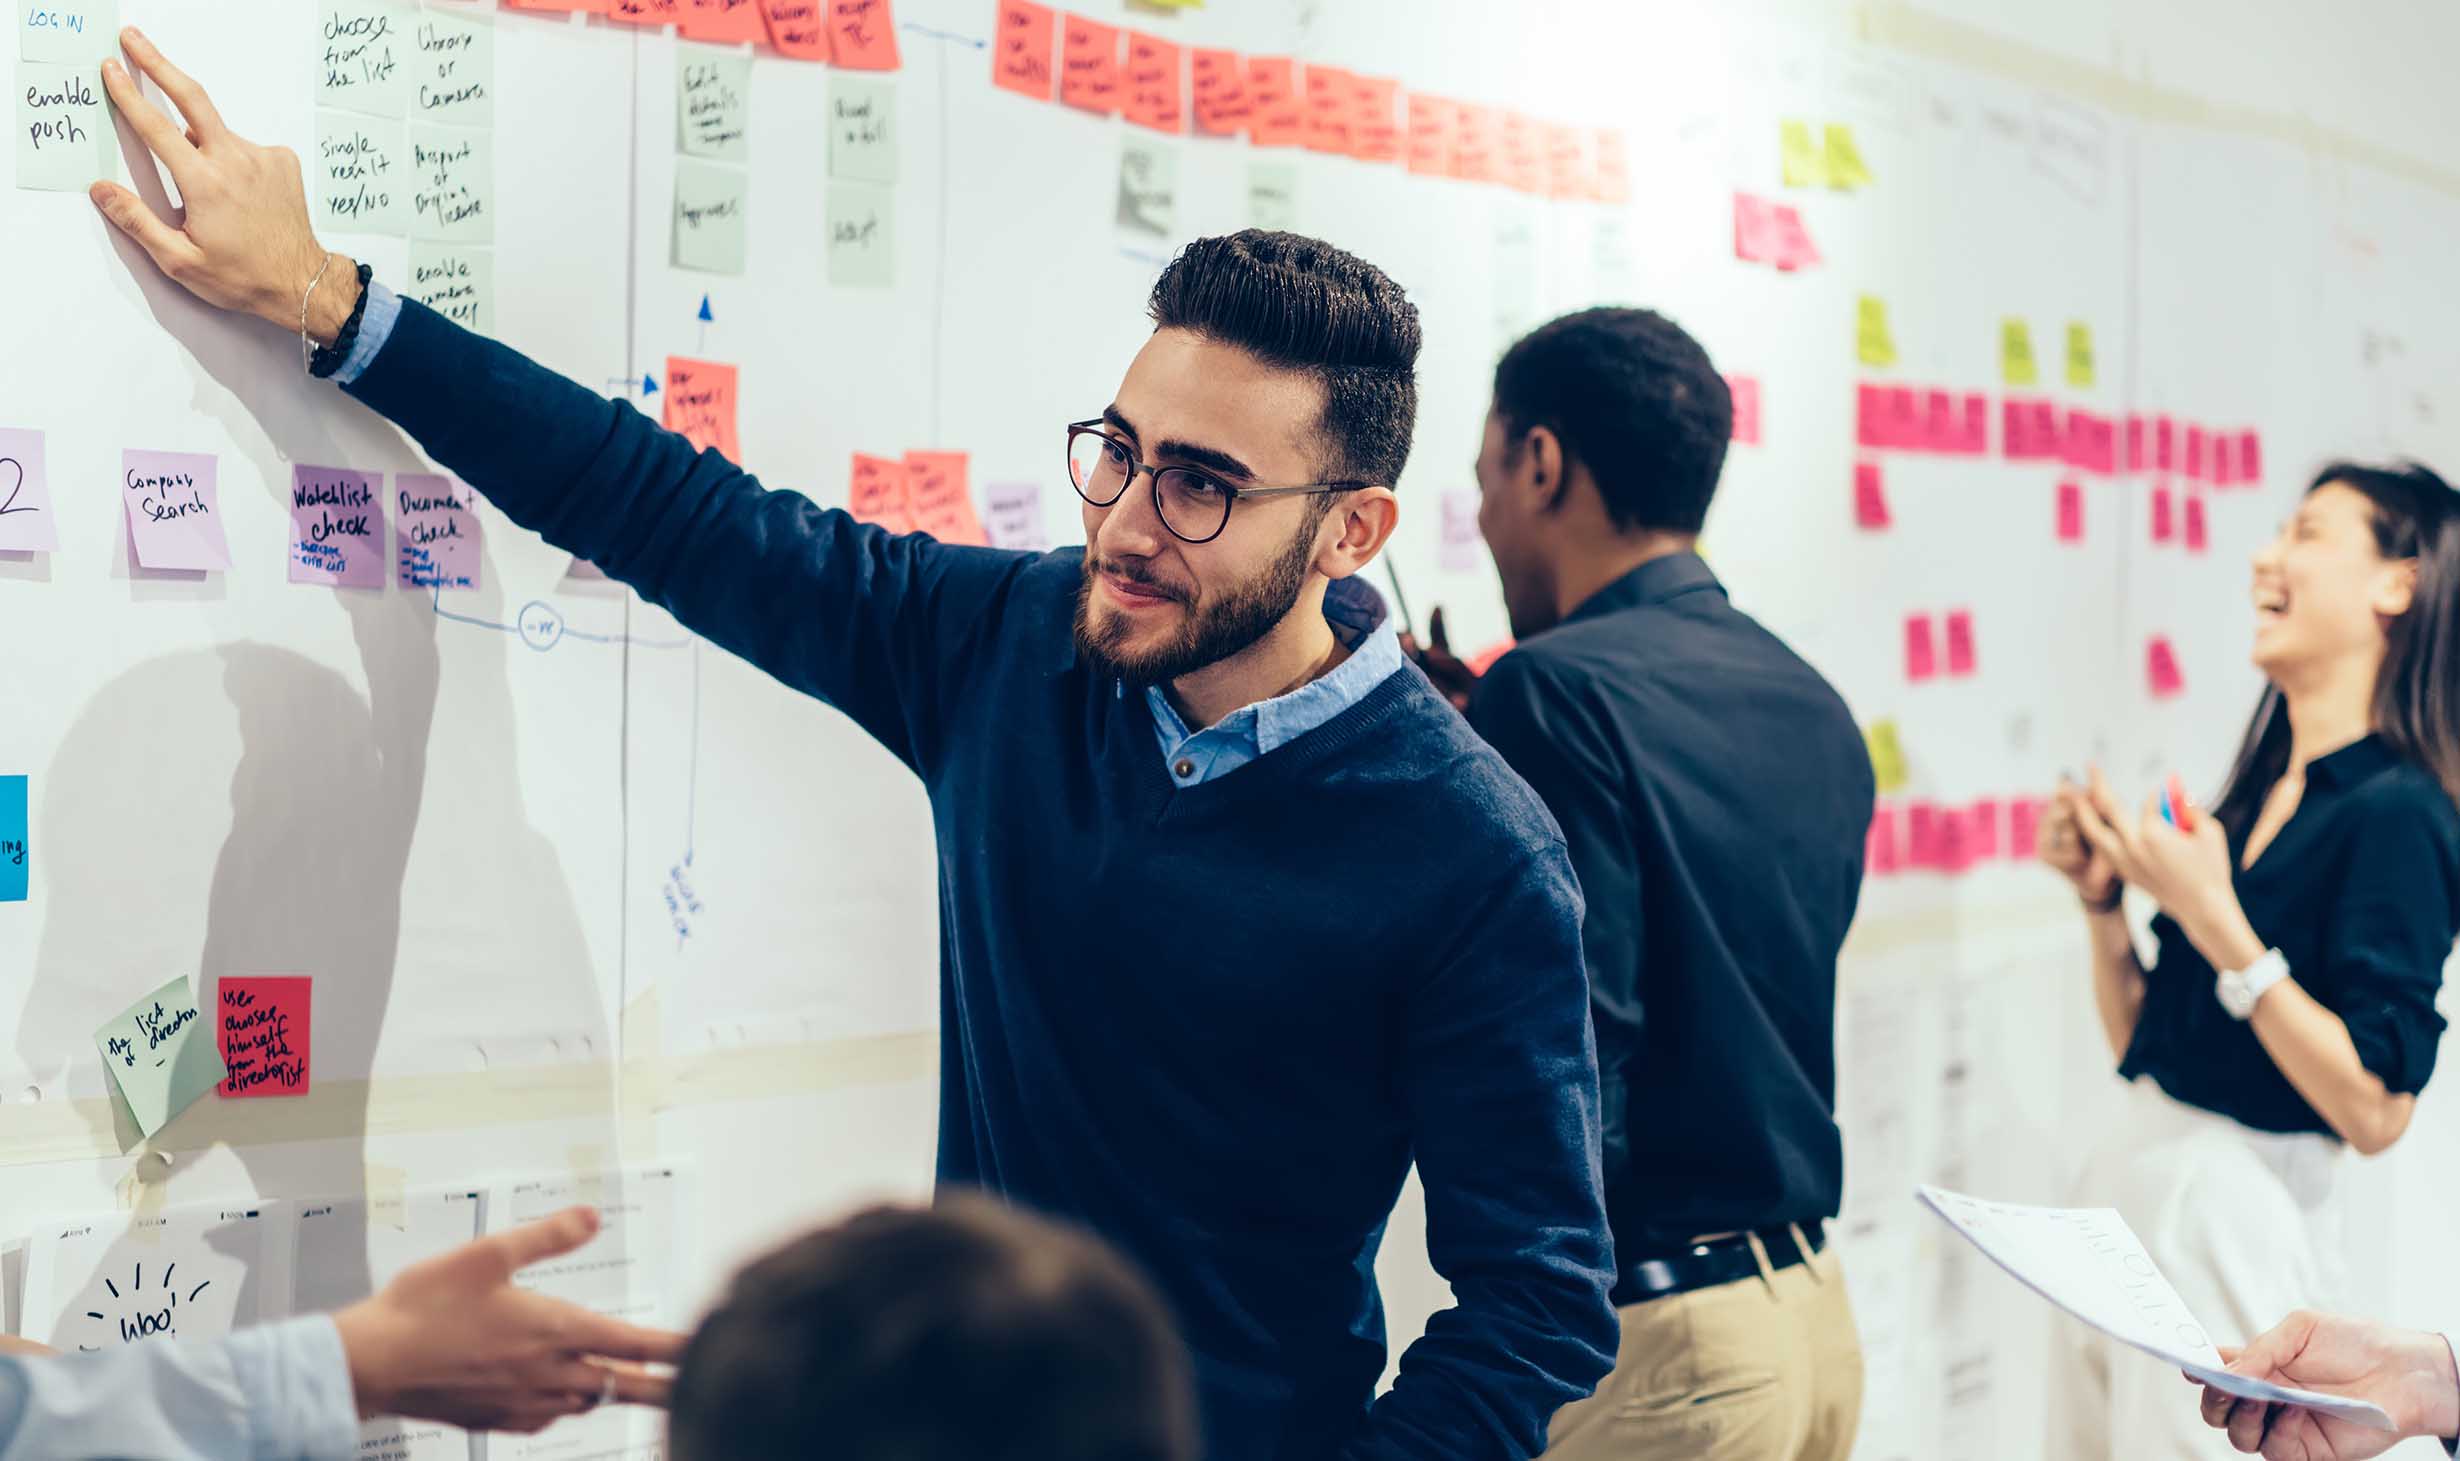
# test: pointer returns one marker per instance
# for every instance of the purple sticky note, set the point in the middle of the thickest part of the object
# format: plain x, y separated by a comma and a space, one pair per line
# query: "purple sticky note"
1461, 539
435, 532
174, 510
336, 527
25, 495
1012, 516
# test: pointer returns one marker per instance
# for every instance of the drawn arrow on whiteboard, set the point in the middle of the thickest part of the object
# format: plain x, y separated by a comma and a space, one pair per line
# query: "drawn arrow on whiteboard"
941, 35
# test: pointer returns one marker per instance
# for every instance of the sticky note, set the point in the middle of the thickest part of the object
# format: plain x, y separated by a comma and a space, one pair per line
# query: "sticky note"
1272, 196
862, 35
1012, 516
1432, 127
2016, 364
1794, 248
1881, 856
1755, 240
1517, 147
1148, 188
583, 7
2138, 446
2250, 455
362, 174
1887, 756
2090, 442
1613, 167
457, 281
75, 33
1844, 165
161, 1054
712, 215
1151, 84
1905, 422
2071, 512
1460, 543
65, 140
2165, 444
713, 104
881, 493
862, 129
26, 524
2023, 825
2079, 354
1745, 389
1923, 850
1798, 156
1089, 65
2161, 672
645, 12
454, 76
1943, 422
1921, 648
1567, 162
16, 842
452, 184
174, 510
364, 57
1951, 841
1476, 144
2224, 448
1375, 119
1326, 91
263, 1025
436, 542
700, 404
798, 29
1960, 655
1218, 101
1279, 114
2194, 464
2198, 531
337, 535
2028, 431
1974, 437
862, 234
1022, 39
2164, 515
723, 22
936, 493
1870, 498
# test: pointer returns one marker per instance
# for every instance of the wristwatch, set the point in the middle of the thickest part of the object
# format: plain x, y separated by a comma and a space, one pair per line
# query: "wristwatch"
2239, 990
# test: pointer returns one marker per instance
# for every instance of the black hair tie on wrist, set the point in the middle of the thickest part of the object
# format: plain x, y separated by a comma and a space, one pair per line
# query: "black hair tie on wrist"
329, 358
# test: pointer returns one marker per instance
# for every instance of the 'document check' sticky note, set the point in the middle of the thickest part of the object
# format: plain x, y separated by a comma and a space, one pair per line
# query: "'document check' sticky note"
25, 495
263, 1027
336, 527
160, 1052
16, 850
174, 510
435, 532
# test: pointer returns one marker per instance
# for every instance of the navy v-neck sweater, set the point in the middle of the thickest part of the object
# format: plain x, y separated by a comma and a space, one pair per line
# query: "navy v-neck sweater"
1215, 1024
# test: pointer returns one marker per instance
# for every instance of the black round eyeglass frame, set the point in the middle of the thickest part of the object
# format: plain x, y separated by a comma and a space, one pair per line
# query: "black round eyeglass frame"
1230, 492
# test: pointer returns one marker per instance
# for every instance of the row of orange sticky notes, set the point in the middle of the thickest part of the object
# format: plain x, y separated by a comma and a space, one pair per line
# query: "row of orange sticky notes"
1274, 101
925, 492
860, 35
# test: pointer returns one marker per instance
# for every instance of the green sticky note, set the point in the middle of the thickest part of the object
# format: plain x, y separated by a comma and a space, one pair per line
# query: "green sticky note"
1272, 196
365, 57
1846, 169
862, 130
2079, 354
1873, 345
361, 174
2016, 365
1800, 156
455, 77
862, 234
457, 281
68, 32
160, 1051
64, 135
713, 104
712, 209
452, 184
1887, 757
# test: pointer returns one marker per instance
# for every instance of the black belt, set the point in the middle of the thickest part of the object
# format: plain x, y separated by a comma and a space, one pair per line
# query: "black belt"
1717, 1261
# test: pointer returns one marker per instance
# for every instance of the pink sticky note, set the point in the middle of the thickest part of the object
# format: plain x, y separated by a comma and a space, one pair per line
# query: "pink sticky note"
1375, 119
2071, 512
1219, 101
1952, 834
2138, 437
1272, 89
1921, 648
1960, 656
1870, 415
2092, 442
586, 7
799, 29
2250, 456
1477, 146
1745, 389
2161, 670
1880, 854
935, 481
2031, 431
862, 35
2165, 444
2199, 532
1907, 425
1012, 516
700, 404
1089, 65
1794, 247
2195, 466
1153, 84
2164, 514
1523, 152
336, 527
25, 495
264, 1024
1021, 43
1326, 92
1434, 129
880, 493
435, 532
1974, 439
1923, 849
1870, 498
1613, 167
174, 510
1983, 818
726, 22
2023, 826
1755, 240
1943, 421
2224, 449
1567, 162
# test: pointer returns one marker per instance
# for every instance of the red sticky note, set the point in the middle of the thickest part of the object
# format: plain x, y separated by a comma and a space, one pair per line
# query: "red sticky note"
2164, 515
1921, 649
1329, 109
882, 493
1021, 44
1794, 247
2165, 444
1475, 145
1974, 439
1745, 389
1960, 656
727, 22
2195, 466
1755, 231
1870, 498
2137, 439
700, 404
1567, 162
1434, 125
644, 12
2023, 826
2161, 670
937, 495
2071, 512
1153, 85
799, 29
1089, 65
1613, 167
1220, 103
862, 35
1272, 89
1880, 854
2199, 532
264, 1026
2250, 456
1524, 154
1375, 119
1983, 818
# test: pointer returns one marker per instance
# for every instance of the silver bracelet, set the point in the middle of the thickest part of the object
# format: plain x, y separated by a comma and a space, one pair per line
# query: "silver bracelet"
307, 347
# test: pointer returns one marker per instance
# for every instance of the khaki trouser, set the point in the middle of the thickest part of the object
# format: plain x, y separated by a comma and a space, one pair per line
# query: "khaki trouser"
1764, 1369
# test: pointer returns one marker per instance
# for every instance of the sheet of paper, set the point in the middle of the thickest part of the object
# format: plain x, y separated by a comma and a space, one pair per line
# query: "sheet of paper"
862, 129
1476, 144
1280, 107
863, 35
174, 510
799, 29
1434, 129
26, 522
1148, 188
76, 33
454, 80
1012, 515
452, 184
712, 207
365, 57
1870, 498
700, 404
263, 1025
2088, 1262
1022, 39
436, 538
1272, 195
1799, 159
880, 492
862, 235
1151, 84
344, 1250
16, 840
160, 1050
65, 140
457, 281
2017, 366
713, 104
186, 1273
337, 535
362, 174
1218, 101
942, 505
1324, 92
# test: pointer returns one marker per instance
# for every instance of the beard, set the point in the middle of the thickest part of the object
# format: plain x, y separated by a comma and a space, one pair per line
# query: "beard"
1207, 633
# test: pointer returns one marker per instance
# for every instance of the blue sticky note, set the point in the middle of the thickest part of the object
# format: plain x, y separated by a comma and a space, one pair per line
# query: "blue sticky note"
16, 861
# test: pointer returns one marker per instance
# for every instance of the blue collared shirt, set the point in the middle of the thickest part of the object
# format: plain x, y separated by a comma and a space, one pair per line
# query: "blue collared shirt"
1356, 612
274, 1391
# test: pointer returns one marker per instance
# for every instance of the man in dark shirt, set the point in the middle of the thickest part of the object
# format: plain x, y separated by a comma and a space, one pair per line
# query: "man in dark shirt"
1715, 793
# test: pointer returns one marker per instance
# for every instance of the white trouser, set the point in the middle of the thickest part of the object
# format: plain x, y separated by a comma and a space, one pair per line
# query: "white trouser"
2246, 1226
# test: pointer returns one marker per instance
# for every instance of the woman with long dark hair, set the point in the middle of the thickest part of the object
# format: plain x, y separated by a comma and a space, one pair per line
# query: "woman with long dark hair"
2305, 921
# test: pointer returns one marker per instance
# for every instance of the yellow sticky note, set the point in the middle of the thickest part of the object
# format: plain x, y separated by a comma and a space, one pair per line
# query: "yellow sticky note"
1846, 169
1803, 164
2016, 354
1873, 345
2079, 354
1887, 757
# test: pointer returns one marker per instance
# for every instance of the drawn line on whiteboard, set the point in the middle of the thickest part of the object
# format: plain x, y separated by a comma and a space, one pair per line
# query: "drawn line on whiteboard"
541, 626
943, 35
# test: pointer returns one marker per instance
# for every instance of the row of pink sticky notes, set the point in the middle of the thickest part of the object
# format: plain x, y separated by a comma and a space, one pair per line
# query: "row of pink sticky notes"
337, 523
859, 35
1925, 836
1914, 418
1922, 646
1772, 234
2161, 443
924, 492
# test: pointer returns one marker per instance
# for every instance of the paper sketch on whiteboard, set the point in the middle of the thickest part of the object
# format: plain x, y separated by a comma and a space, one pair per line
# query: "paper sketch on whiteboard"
101, 1283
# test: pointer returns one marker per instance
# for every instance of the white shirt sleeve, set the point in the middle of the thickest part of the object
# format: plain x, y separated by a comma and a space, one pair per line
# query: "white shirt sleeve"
279, 1392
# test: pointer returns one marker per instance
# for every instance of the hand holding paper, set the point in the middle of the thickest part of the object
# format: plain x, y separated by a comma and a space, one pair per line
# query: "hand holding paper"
2409, 1375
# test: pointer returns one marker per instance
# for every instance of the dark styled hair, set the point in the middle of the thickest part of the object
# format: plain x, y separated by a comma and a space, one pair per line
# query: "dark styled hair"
1301, 304
1632, 398
2417, 694
962, 1332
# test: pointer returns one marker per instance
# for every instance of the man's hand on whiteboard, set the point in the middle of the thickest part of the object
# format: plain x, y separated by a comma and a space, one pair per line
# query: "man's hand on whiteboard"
244, 241
2409, 1374
453, 1339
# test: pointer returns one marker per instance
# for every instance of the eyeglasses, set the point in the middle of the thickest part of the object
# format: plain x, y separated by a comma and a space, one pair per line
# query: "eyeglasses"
1194, 505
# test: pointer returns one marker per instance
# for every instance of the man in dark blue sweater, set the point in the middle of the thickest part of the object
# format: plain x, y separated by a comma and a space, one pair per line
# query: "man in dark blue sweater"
1237, 916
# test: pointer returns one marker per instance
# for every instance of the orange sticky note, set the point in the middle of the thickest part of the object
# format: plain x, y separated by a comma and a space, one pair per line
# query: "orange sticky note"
700, 404
585, 7
1272, 90
1567, 162
644, 12
798, 28
880, 493
1613, 168
1375, 126
862, 35
1329, 114
1221, 104
1524, 158
937, 495
1475, 139
1021, 48
1153, 86
1434, 123
1089, 65
727, 22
